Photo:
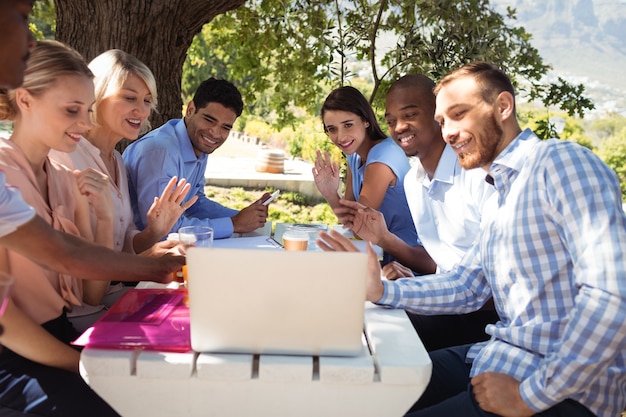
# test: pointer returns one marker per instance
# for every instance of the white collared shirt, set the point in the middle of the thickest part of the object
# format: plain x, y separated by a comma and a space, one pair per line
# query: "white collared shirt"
447, 209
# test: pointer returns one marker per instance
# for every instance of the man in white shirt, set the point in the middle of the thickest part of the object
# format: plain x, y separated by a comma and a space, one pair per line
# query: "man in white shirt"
446, 203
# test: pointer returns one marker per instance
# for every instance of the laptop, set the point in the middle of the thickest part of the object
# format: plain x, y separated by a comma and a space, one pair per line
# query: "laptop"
276, 302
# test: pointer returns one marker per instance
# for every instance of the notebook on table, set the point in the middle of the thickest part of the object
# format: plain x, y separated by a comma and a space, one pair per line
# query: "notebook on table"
151, 319
276, 302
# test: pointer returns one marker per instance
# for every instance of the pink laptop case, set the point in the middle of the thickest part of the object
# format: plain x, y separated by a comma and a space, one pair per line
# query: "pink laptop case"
151, 319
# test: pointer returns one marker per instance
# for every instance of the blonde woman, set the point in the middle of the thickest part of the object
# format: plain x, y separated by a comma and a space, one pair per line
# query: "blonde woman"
126, 94
50, 111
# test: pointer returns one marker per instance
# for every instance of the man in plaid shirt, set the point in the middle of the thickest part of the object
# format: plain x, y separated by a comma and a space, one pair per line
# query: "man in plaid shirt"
552, 256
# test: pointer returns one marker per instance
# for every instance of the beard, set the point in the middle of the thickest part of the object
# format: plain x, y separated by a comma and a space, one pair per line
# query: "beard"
486, 143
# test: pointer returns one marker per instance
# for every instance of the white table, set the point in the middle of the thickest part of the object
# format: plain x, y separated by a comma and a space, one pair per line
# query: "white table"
388, 376
262, 239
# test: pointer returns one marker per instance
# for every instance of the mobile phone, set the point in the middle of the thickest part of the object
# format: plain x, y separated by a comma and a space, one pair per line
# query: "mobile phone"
272, 198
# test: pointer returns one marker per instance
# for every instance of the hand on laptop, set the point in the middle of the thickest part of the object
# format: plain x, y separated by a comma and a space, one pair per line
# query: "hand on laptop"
336, 242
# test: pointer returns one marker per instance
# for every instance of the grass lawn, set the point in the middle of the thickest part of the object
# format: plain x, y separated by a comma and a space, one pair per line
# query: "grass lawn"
289, 207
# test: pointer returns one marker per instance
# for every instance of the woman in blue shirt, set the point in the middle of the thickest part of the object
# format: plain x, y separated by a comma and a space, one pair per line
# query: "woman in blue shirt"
376, 164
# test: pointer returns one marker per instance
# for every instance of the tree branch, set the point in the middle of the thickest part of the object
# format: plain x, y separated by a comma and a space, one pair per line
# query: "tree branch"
379, 16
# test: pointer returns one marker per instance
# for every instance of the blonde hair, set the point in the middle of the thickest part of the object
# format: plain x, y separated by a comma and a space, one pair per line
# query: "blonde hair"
48, 61
111, 70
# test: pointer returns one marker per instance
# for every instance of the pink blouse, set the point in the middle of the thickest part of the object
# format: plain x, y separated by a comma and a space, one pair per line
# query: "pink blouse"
87, 155
40, 293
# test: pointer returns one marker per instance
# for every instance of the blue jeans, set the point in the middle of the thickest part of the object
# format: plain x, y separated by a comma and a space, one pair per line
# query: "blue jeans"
449, 392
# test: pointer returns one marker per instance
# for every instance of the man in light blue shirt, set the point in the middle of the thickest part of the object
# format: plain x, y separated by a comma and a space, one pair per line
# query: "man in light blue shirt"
180, 148
552, 257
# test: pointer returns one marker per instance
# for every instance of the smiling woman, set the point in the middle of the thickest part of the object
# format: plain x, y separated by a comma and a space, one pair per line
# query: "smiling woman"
376, 164
51, 111
126, 94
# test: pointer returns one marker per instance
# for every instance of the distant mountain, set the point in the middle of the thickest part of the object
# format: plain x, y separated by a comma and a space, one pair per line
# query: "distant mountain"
583, 40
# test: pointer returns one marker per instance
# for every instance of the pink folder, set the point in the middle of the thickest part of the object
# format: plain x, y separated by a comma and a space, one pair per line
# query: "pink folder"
151, 319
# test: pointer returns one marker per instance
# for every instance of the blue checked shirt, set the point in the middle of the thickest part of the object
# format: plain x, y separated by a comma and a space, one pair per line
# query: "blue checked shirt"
552, 255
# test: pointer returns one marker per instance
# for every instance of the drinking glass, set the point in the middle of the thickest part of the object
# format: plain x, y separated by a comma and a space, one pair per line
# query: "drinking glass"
199, 236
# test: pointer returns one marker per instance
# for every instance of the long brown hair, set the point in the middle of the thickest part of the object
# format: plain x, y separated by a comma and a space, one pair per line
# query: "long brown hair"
349, 99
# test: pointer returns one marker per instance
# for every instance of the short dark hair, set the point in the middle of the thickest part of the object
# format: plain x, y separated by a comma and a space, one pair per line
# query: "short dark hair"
490, 79
218, 91
351, 100
419, 82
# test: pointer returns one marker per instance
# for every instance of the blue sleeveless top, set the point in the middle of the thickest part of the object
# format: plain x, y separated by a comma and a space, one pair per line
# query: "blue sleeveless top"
394, 206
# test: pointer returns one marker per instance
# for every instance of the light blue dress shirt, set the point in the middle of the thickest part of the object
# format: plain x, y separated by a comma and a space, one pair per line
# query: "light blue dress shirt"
447, 209
394, 206
158, 156
552, 254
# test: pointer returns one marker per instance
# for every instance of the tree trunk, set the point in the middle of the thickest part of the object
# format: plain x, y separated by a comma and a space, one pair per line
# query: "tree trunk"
158, 32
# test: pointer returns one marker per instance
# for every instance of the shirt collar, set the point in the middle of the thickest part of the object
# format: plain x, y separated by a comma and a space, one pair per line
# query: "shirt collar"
515, 154
186, 148
508, 164
446, 168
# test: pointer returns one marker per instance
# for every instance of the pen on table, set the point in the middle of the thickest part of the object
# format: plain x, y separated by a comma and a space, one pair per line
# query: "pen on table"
274, 242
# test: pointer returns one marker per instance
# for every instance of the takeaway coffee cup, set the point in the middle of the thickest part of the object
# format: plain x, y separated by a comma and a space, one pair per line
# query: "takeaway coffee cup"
295, 240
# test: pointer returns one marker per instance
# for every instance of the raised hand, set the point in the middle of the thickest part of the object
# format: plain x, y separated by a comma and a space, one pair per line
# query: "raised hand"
326, 176
167, 209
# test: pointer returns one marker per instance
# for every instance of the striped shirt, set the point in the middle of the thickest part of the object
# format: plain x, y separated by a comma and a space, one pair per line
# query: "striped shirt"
552, 256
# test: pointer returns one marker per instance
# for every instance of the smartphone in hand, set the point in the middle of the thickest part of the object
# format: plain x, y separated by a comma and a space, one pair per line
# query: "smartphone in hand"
271, 198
